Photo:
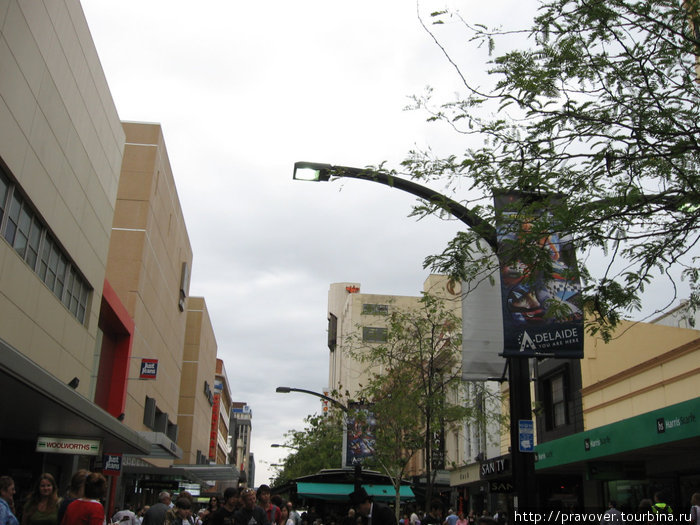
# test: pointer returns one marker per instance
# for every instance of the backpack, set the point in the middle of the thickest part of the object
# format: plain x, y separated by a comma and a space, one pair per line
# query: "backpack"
661, 508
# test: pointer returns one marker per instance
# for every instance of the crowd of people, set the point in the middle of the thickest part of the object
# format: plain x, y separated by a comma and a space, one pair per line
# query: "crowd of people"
83, 505
43, 506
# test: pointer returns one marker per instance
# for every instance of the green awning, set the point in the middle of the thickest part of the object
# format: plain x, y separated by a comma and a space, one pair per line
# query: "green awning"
341, 491
658, 427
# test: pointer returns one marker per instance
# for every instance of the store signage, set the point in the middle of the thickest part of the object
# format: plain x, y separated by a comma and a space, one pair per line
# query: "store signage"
111, 464
149, 368
56, 445
495, 467
500, 487
214, 431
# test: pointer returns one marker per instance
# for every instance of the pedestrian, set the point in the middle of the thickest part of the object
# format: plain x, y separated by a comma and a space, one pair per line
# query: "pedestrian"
250, 513
285, 519
374, 513
612, 515
88, 510
181, 512
226, 512
272, 511
695, 509
42, 506
212, 507
7, 499
434, 517
293, 513
76, 490
451, 518
660, 506
156, 514
125, 517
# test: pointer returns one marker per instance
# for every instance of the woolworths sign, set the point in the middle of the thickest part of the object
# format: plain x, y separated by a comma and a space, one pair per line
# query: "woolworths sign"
57, 445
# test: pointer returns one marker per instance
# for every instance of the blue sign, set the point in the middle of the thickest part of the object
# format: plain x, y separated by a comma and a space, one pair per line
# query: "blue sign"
526, 435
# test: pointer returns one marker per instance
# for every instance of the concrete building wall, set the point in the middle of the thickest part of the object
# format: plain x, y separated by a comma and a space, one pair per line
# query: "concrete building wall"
149, 262
61, 145
198, 370
354, 311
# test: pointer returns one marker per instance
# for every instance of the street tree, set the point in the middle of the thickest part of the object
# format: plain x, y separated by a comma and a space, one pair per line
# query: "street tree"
601, 105
414, 387
316, 447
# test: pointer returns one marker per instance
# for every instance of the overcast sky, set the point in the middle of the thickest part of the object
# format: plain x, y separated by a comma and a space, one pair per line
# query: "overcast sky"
242, 91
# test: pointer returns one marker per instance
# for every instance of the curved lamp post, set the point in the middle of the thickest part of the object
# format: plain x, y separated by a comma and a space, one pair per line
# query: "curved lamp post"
287, 390
523, 464
335, 402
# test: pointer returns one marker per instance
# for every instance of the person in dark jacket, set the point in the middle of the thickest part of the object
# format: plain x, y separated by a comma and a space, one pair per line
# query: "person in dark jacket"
374, 513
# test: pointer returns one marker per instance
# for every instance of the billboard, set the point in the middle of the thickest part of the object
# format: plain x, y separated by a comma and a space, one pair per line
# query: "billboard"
542, 314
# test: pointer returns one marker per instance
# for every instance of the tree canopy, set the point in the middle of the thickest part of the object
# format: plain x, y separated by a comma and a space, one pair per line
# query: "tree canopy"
414, 386
601, 106
316, 447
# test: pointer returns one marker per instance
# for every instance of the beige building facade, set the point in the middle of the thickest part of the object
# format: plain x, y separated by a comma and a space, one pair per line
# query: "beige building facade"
148, 266
94, 276
61, 145
357, 316
641, 435
197, 385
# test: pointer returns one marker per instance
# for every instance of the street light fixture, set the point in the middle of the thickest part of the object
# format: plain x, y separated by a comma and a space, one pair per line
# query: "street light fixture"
341, 406
287, 390
279, 445
523, 465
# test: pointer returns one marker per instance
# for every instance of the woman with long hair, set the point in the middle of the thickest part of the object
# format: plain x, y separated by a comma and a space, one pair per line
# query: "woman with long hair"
88, 510
7, 507
42, 506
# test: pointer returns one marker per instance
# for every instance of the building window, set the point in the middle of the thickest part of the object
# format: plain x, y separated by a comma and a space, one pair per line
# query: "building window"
332, 332
24, 230
374, 335
375, 309
555, 402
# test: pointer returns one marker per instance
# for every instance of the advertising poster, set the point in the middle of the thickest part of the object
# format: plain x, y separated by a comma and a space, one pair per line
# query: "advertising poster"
361, 437
542, 314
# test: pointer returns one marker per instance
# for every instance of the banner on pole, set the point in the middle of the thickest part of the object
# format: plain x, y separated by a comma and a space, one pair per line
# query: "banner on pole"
361, 439
542, 314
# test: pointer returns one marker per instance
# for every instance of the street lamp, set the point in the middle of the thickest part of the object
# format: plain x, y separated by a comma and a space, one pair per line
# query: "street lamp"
278, 445
341, 406
287, 390
523, 465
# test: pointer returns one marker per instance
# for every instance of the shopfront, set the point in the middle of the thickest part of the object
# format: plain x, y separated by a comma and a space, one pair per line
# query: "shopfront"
628, 460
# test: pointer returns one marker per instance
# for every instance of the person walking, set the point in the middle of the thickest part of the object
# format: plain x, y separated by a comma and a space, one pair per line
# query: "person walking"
180, 513
250, 513
660, 506
156, 514
695, 509
88, 510
374, 513
612, 515
274, 515
76, 490
42, 506
7, 505
227, 510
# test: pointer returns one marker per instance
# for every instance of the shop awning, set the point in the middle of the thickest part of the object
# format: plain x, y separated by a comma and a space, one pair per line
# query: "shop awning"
670, 430
38, 404
340, 491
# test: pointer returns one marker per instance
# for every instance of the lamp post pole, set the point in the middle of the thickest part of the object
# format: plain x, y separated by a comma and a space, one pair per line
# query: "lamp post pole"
523, 465
341, 406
